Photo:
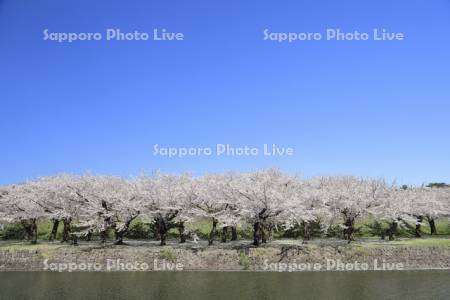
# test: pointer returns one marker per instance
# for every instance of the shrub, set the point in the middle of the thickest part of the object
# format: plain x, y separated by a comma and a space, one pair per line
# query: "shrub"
12, 231
139, 230
376, 228
335, 231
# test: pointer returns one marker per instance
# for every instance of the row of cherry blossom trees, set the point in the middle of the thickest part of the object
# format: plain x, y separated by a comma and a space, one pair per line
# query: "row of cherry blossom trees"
267, 199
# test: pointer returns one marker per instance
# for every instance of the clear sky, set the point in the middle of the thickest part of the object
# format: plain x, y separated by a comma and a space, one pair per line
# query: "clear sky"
366, 108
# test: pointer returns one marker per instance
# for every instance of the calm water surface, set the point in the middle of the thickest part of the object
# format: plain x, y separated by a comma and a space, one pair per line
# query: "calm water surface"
226, 285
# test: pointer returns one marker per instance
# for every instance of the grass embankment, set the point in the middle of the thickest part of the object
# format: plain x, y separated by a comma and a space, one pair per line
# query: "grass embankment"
317, 243
418, 242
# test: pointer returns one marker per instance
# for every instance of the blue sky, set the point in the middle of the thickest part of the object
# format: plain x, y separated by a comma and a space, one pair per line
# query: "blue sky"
362, 108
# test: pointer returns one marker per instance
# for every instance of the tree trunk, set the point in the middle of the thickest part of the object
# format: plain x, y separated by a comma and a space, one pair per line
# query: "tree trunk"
157, 235
74, 239
392, 231
417, 232
263, 229
120, 232
181, 230
257, 234
103, 235
163, 236
234, 235
54, 229
104, 231
161, 229
212, 234
163, 224
33, 231
433, 230
27, 228
224, 234
89, 235
349, 229
66, 229
306, 232
119, 237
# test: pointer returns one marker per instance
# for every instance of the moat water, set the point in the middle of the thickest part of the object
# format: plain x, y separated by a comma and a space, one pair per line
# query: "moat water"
226, 285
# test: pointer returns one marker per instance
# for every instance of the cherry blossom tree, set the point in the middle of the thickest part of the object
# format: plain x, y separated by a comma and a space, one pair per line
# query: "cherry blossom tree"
266, 199
394, 209
307, 207
116, 202
429, 203
62, 195
263, 197
166, 200
217, 201
21, 203
351, 197
4, 207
